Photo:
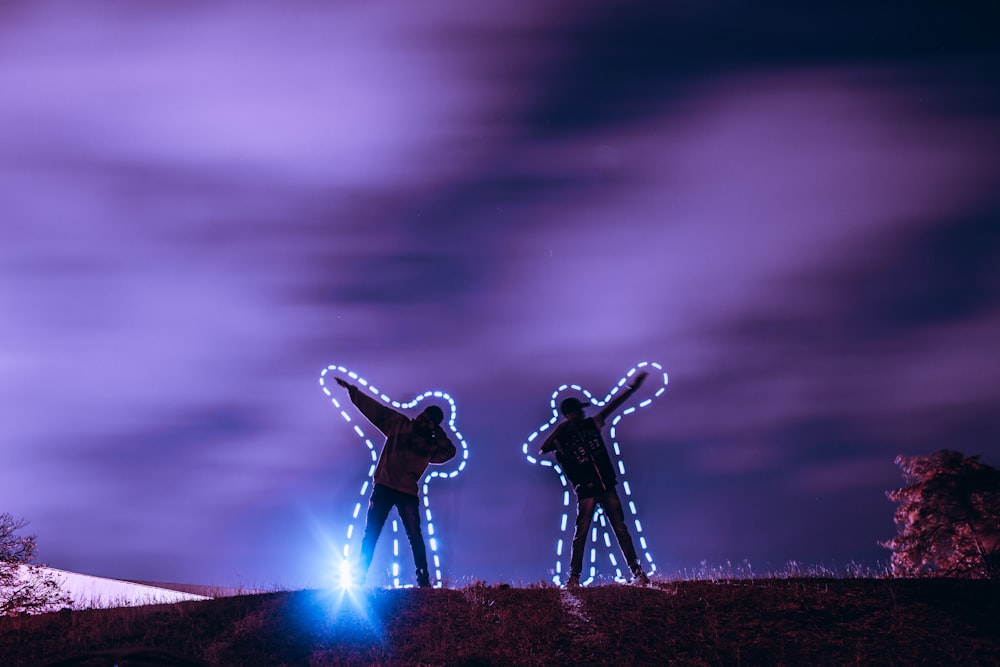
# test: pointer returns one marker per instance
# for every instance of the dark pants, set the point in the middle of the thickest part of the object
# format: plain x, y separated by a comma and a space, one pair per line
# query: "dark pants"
382, 500
585, 515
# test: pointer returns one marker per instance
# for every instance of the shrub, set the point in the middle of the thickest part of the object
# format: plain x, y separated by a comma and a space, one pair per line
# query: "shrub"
25, 586
948, 517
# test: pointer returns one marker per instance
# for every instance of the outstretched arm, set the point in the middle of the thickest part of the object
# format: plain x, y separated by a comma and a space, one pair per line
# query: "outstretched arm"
374, 411
615, 404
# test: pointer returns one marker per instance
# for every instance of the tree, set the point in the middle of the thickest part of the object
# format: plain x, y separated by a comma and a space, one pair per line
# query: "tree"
25, 586
948, 518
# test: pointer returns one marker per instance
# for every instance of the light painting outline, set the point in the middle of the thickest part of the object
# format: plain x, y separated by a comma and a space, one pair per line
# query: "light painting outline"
601, 524
355, 526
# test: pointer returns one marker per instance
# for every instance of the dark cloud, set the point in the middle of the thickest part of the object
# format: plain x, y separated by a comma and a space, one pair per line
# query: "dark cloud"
404, 278
627, 63
935, 275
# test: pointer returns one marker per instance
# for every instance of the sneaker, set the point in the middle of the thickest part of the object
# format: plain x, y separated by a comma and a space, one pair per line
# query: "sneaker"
423, 579
573, 581
639, 577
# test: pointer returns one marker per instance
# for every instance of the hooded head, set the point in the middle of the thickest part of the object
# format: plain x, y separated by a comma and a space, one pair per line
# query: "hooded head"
435, 413
428, 420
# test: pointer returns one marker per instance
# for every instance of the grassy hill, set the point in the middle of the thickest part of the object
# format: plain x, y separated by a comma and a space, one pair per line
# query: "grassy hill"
805, 621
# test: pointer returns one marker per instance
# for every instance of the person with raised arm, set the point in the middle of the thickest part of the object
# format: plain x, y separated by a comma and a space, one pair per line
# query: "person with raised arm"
584, 459
410, 446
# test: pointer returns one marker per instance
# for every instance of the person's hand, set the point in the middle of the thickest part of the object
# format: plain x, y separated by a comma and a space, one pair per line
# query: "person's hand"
344, 383
639, 379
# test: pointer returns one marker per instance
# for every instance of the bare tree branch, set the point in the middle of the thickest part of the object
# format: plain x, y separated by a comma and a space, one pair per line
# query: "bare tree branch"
25, 586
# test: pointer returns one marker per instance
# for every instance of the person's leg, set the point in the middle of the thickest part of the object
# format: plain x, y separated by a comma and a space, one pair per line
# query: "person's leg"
584, 516
616, 515
378, 510
409, 512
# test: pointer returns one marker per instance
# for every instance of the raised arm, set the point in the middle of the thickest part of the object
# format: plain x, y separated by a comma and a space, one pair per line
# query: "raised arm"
615, 404
378, 413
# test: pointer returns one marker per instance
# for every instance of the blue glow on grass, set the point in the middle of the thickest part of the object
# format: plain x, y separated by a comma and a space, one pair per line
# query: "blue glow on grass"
349, 612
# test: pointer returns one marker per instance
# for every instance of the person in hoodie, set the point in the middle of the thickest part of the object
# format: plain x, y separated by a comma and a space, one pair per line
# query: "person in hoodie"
410, 446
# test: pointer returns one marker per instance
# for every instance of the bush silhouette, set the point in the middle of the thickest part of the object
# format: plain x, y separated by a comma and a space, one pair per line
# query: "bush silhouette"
948, 517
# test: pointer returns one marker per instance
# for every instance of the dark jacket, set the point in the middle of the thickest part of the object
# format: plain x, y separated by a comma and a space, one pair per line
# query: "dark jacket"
406, 454
583, 456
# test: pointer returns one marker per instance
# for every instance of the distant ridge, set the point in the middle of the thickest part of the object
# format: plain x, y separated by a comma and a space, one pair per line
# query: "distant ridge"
197, 589
88, 591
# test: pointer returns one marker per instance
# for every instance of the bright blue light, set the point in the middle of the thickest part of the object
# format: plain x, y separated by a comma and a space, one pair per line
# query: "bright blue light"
566, 526
345, 575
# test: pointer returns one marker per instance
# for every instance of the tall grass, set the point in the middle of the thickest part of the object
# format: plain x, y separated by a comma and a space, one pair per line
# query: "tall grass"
792, 569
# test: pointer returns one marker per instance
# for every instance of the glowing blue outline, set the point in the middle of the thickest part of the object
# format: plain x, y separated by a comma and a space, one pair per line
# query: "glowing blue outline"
566, 528
356, 517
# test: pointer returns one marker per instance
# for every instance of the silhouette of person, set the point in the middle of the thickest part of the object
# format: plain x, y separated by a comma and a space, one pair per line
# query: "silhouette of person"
584, 459
410, 446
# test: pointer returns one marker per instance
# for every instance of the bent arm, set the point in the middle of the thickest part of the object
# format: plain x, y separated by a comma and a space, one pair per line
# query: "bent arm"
551, 442
444, 450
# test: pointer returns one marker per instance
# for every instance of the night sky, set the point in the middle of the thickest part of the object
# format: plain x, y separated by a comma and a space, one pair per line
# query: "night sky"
794, 208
